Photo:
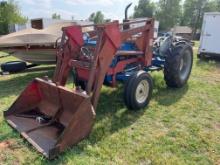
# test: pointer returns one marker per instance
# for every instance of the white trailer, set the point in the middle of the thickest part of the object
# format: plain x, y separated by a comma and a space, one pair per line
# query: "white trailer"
210, 35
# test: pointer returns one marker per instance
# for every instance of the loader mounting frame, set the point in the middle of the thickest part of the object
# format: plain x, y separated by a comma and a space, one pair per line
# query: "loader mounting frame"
52, 117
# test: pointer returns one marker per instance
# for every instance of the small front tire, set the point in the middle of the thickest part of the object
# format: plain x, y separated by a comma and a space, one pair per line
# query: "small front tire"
138, 91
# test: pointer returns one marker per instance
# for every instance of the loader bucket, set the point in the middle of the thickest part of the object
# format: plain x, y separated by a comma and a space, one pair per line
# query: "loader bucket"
52, 118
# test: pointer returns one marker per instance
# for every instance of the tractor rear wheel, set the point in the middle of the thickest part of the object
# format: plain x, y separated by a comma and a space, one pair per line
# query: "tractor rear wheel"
178, 66
138, 91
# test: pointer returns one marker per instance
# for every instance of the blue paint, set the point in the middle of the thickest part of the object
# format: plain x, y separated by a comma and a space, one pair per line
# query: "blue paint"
157, 61
128, 46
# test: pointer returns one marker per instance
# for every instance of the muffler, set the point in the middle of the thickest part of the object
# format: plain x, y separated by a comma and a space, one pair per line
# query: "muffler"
52, 118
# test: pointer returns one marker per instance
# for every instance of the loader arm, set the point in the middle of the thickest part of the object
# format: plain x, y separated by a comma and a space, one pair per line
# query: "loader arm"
52, 117
109, 38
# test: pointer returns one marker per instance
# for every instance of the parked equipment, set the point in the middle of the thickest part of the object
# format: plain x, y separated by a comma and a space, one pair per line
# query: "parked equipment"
210, 34
53, 118
36, 46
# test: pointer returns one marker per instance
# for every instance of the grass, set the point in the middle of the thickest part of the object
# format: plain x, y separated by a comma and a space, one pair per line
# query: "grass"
196, 44
179, 127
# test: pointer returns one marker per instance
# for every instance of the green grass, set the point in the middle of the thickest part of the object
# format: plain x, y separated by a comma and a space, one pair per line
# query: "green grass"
196, 44
179, 127
10, 58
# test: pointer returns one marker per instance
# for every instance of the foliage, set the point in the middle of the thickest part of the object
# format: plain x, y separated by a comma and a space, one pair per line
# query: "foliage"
145, 8
176, 12
194, 11
108, 20
56, 16
9, 14
168, 13
97, 17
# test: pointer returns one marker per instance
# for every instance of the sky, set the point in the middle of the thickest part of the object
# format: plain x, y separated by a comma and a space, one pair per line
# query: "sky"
79, 9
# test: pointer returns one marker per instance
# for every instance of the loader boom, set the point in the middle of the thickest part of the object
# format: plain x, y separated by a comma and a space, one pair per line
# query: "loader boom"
52, 117
109, 39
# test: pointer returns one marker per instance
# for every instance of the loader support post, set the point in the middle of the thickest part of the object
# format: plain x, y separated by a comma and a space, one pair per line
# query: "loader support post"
70, 48
112, 41
149, 42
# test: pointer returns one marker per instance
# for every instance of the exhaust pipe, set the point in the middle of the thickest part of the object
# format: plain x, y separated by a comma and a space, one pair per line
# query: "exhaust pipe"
126, 11
125, 27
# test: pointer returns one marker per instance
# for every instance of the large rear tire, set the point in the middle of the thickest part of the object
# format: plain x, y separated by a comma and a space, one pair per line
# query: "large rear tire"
138, 91
178, 66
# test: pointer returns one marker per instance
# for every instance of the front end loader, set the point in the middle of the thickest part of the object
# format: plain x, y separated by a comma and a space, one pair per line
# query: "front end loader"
52, 117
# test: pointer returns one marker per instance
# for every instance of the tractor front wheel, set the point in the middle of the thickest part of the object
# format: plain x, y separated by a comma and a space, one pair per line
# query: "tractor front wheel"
138, 90
178, 66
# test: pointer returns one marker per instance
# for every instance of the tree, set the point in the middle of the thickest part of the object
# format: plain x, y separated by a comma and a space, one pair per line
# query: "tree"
9, 14
97, 17
145, 8
168, 13
194, 11
108, 20
218, 4
56, 16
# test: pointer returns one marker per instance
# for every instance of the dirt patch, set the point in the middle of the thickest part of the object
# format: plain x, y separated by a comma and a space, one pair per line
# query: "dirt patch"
8, 144
211, 79
7, 149
218, 162
145, 162
11, 152
217, 127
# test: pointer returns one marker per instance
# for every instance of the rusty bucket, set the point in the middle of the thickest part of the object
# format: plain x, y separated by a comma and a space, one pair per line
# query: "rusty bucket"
52, 118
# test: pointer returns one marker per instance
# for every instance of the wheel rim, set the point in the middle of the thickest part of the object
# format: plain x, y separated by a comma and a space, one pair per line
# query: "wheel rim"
142, 91
185, 65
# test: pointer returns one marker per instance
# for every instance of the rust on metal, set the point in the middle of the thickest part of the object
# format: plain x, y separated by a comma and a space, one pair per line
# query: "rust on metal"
52, 117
